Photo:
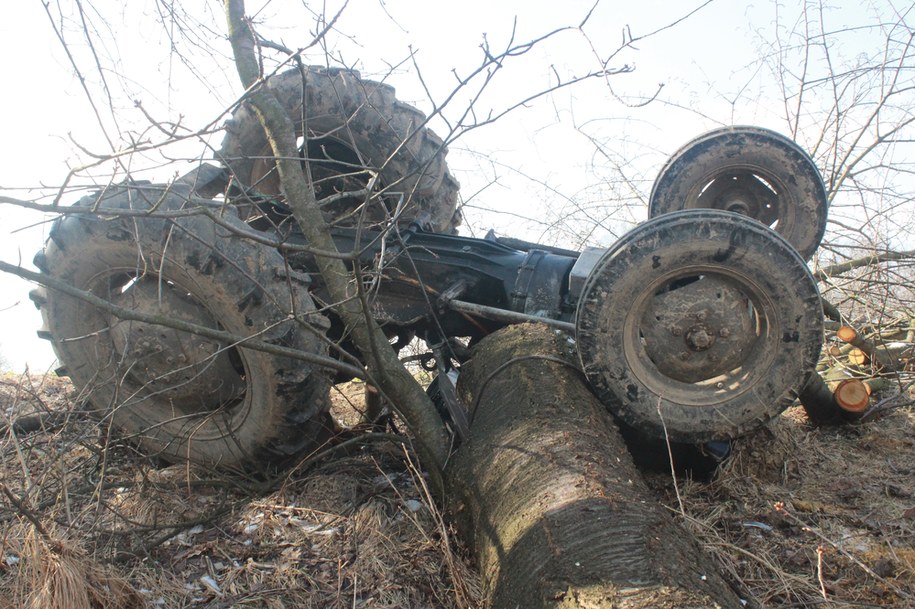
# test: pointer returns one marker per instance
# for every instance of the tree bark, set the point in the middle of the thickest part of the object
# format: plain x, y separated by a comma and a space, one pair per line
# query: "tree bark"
387, 372
547, 496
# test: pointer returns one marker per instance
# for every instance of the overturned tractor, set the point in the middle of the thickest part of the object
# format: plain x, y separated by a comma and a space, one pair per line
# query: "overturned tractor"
200, 328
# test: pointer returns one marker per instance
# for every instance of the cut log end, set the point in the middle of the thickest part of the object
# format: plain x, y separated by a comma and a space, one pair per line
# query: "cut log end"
846, 403
852, 395
847, 334
857, 357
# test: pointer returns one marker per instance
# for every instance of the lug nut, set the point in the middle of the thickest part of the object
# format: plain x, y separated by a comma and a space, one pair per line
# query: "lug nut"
676, 330
724, 332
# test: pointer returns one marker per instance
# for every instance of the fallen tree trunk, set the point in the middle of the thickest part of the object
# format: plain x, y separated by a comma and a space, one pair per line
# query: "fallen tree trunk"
547, 496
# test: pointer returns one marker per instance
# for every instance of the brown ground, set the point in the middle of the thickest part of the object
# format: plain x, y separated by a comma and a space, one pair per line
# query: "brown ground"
85, 526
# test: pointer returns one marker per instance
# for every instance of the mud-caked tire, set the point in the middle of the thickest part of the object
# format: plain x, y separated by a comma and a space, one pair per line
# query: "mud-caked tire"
181, 396
349, 128
699, 325
752, 171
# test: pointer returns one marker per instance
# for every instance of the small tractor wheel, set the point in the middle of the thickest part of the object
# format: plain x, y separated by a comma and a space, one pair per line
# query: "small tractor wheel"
699, 324
182, 396
350, 130
751, 171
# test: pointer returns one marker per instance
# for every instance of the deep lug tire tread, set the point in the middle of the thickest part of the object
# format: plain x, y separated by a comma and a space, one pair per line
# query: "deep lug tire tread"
286, 404
366, 115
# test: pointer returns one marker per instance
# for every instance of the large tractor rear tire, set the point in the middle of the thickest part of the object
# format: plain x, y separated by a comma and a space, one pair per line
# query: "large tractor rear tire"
350, 130
181, 396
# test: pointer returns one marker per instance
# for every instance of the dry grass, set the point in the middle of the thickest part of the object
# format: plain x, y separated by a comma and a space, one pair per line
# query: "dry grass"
58, 574
804, 517
96, 526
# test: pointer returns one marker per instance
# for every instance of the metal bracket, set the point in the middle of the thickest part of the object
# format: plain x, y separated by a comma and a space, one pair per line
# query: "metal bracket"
453, 404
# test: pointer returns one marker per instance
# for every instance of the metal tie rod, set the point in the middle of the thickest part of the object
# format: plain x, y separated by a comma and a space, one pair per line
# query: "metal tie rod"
462, 306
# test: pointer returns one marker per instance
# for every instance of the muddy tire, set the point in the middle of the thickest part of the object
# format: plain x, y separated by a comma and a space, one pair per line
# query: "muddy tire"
702, 323
179, 396
350, 128
756, 172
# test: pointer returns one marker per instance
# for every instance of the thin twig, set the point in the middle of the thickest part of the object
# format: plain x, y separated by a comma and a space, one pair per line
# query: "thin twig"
24, 510
670, 455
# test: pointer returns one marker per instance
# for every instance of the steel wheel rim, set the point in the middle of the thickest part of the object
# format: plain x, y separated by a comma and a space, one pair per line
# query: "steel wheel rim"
718, 388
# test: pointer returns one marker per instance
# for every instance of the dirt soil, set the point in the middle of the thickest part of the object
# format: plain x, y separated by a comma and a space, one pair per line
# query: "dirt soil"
797, 517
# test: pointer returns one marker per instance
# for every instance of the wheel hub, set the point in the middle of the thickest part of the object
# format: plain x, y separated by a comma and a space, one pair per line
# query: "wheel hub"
700, 330
700, 338
189, 370
742, 192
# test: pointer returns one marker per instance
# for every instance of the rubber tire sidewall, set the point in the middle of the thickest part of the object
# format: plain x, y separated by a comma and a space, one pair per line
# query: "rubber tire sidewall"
366, 116
285, 405
697, 237
805, 204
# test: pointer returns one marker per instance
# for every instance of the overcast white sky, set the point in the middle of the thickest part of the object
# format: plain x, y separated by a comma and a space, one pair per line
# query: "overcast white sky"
709, 66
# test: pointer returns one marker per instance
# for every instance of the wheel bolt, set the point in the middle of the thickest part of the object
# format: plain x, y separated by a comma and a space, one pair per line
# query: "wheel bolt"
676, 330
724, 332
701, 315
